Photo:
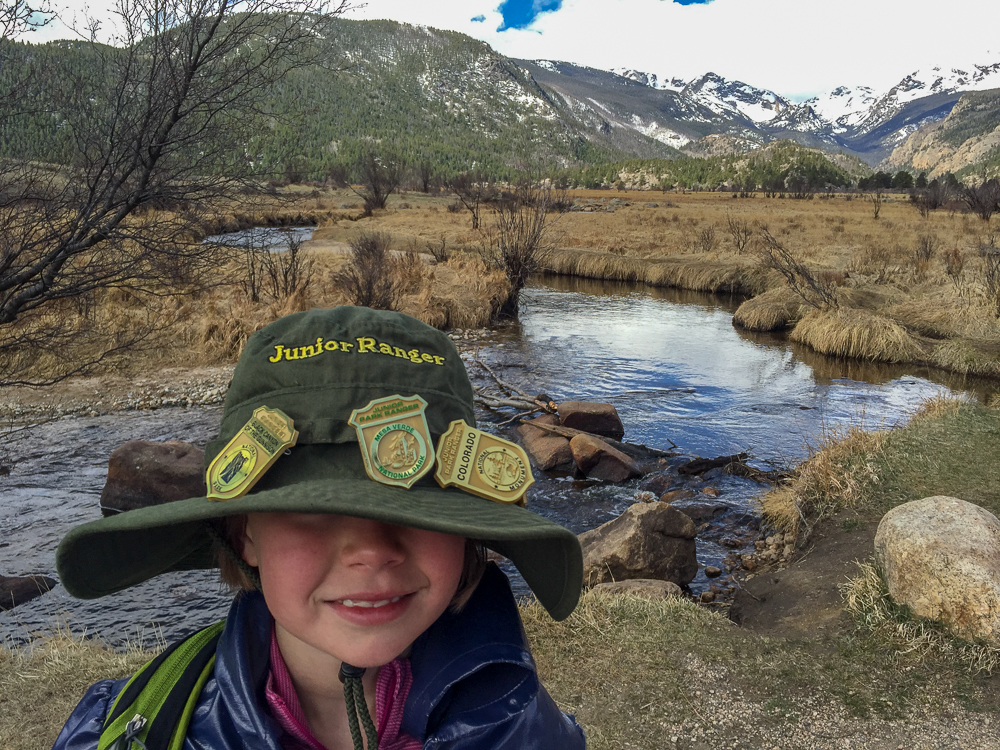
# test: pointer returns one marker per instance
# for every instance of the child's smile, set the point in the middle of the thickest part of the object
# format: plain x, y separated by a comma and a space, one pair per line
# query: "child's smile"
358, 590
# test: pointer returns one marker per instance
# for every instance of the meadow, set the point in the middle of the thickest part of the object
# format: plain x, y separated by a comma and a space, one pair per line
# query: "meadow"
903, 287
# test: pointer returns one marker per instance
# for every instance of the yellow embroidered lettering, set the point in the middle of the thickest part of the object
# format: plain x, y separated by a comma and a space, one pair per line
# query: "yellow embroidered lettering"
399, 352
277, 353
438, 360
291, 354
414, 355
385, 349
330, 346
307, 351
427, 358
346, 346
365, 344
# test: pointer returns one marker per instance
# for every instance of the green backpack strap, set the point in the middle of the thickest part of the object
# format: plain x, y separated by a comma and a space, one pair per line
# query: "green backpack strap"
154, 709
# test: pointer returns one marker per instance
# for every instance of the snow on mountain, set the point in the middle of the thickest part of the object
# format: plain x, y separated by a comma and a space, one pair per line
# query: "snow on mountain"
720, 95
664, 83
844, 107
714, 91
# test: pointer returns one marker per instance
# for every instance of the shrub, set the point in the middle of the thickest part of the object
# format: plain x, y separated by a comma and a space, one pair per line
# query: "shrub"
370, 278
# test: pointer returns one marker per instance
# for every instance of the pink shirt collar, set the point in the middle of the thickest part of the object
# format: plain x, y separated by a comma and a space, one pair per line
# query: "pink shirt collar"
391, 690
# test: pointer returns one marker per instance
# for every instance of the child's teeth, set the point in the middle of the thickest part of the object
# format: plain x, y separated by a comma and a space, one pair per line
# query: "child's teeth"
382, 603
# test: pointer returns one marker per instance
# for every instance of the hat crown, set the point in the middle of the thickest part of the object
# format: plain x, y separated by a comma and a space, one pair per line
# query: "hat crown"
319, 366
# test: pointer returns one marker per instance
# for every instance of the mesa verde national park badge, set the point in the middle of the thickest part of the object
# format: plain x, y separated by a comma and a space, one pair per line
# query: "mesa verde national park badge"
395, 439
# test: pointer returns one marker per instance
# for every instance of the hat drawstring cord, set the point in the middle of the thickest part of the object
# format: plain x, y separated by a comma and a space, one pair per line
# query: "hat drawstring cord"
354, 697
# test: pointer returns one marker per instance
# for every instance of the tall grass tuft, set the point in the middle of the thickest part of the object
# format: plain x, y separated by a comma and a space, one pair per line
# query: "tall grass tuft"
867, 600
837, 475
774, 310
847, 332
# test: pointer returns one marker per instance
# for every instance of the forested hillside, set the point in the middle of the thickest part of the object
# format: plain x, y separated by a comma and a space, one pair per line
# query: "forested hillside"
412, 92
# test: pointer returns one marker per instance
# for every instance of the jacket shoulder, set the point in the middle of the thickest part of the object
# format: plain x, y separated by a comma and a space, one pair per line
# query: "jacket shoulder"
82, 729
474, 681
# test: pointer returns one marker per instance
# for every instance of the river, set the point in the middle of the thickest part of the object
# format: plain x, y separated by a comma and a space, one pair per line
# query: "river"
670, 361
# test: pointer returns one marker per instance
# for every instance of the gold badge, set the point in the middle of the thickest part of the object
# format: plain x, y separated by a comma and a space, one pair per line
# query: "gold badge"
268, 434
482, 464
395, 439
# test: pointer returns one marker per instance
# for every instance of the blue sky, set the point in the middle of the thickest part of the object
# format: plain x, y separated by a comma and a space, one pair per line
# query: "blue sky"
794, 47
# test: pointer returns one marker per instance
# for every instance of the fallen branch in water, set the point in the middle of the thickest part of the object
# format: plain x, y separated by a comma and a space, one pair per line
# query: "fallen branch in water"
634, 450
511, 397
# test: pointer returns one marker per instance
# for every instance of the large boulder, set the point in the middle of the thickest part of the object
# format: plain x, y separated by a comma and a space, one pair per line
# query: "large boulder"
941, 558
142, 473
598, 460
648, 540
16, 590
600, 419
547, 451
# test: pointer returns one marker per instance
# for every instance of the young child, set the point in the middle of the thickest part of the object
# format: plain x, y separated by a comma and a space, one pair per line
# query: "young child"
351, 501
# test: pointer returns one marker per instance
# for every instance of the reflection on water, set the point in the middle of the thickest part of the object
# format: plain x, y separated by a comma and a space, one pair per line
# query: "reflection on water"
669, 360
275, 239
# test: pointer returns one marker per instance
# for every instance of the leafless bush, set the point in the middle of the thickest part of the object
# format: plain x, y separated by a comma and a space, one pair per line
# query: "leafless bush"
440, 250
707, 240
455, 207
954, 264
516, 239
922, 255
740, 232
275, 275
473, 190
369, 277
815, 292
380, 175
155, 120
876, 197
983, 200
991, 279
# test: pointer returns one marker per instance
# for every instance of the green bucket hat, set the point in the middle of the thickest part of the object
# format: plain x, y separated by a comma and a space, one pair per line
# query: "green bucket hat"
319, 367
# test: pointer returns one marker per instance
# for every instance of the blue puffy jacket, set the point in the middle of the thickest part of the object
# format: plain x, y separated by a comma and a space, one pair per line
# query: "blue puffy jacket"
474, 685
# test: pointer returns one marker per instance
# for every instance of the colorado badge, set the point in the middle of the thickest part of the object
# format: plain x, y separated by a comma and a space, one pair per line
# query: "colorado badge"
483, 464
267, 435
395, 439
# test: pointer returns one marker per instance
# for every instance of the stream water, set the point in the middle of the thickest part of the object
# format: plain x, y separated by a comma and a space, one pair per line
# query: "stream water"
670, 361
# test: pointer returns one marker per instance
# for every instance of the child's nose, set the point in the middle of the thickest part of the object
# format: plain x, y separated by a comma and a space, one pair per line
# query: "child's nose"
372, 544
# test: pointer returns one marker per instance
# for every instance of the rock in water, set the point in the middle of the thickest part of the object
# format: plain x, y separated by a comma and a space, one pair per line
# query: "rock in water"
598, 460
941, 558
648, 540
547, 451
600, 419
142, 473
20, 589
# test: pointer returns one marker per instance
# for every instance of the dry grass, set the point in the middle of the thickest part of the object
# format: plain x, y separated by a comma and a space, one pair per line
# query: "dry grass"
835, 476
211, 326
967, 358
867, 600
948, 447
774, 310
928, 300
40, 686
847, 332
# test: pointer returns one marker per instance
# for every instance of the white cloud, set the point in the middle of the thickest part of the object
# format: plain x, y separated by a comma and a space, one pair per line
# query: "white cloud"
794, 47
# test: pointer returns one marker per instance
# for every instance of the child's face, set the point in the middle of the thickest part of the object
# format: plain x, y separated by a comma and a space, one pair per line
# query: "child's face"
358, 590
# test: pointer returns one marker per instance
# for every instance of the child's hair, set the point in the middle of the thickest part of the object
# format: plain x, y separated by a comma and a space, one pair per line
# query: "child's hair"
232, 568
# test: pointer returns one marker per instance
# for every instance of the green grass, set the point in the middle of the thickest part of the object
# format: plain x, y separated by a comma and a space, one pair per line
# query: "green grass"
634, 671
950, 448
952, 453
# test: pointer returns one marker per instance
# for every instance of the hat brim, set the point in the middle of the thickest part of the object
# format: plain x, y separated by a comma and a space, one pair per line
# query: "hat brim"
111, 554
